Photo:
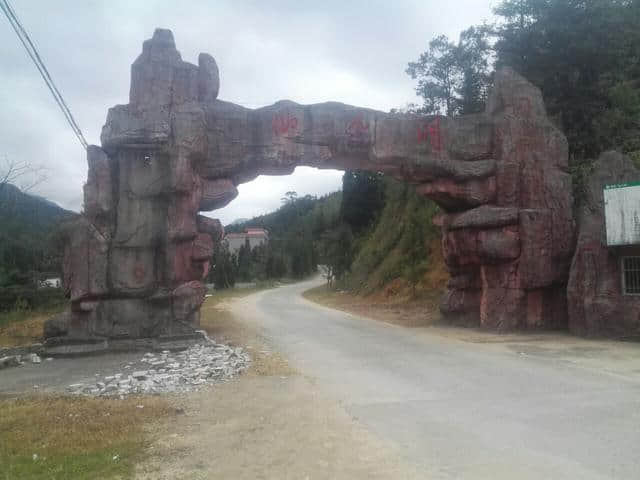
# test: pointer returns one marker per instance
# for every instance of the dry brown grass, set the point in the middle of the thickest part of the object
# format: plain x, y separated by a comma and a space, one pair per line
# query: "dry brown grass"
395, 302
72, 438
397, 309
23, 332
60, 437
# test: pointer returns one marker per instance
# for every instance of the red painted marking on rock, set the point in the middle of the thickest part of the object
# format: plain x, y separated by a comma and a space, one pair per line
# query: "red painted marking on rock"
431, 132
284, 123
358, 130
139, 272
523, 106
357, 126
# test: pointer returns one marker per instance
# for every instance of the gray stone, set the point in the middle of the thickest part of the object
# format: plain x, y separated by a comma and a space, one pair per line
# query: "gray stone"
9, 361
57, 325
208, 78
200, 364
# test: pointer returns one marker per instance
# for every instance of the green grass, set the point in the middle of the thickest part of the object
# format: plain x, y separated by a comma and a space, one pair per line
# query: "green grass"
228, 293
96, 464
73, 438
383, 253
24, 327
21, 315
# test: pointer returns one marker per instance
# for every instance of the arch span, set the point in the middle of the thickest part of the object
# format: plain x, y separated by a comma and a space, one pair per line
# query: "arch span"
135, 260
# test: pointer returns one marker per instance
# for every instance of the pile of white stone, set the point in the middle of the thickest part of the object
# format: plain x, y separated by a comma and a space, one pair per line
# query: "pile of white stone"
168, 372
20, 359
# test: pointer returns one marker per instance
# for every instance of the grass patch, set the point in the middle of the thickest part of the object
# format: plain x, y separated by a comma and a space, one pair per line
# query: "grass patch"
324, 295
385, 254
217, 296
70, 438
24, 327
419, 311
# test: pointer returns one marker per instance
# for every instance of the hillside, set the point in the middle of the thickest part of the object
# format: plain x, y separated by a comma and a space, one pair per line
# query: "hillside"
28, 223
376, 237
318, 213
293, 250
401, 248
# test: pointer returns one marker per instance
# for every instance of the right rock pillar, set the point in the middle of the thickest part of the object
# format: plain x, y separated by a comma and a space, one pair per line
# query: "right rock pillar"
509, 258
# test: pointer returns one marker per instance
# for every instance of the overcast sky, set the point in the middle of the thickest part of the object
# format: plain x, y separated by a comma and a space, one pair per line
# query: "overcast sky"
348, 51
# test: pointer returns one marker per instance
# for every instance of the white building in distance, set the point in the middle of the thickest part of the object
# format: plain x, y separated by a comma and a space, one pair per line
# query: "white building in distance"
255, 236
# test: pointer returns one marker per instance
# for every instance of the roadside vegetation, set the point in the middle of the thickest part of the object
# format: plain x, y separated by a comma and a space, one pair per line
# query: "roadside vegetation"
68, 438
23, 311
292, 251
583, 55
30, 251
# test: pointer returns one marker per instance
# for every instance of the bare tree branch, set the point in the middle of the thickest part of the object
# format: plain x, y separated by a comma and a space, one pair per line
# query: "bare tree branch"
21, 174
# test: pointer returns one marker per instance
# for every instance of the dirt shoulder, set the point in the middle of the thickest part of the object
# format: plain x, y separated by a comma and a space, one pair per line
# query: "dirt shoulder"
271, 423
267, 427
420, 312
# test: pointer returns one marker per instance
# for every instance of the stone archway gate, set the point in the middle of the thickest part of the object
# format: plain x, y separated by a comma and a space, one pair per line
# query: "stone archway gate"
135, 259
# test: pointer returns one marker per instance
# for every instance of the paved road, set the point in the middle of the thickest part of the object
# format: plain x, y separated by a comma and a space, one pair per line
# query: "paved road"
458, 409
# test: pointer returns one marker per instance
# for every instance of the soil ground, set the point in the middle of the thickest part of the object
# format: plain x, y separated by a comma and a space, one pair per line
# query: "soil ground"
275, 423
267, 427
271, 423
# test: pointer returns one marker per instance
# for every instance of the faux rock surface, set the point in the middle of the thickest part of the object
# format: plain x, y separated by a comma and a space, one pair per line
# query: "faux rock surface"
597, 306
170, 372
176, 149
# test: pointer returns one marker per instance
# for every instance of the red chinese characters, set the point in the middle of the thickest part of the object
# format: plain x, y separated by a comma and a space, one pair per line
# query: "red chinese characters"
284, 124
430, 132
523, 107
358, 131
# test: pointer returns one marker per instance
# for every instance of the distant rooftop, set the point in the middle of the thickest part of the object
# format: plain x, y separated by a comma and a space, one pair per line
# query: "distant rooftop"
249, 232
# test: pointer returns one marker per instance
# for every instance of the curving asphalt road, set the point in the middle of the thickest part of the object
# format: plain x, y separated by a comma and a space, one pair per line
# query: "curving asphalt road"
462, 410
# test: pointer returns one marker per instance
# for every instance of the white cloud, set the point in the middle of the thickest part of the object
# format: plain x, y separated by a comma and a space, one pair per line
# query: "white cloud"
353, 52
264, 194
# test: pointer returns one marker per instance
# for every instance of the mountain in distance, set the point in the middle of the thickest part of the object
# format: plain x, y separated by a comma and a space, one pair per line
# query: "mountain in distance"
28, 240
238, 221
26, 212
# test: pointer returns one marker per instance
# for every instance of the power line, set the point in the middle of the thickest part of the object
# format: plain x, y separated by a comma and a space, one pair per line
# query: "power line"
35, 57
44, 73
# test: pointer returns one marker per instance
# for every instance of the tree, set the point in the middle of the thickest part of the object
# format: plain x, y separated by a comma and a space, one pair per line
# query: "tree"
362, 199
414, 250
12, 171
337, 252
473, 65
585, 57
276, 266
289, 197
453, 78
243, 266
223, 268
436, 74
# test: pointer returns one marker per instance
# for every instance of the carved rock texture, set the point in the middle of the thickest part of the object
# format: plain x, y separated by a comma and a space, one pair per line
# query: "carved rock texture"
136, 260
597, 306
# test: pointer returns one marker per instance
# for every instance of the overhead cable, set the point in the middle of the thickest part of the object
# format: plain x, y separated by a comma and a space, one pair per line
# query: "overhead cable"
44, 73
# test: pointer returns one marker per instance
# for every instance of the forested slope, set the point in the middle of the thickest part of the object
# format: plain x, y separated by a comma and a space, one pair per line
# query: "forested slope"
400, 253
375, 237
27, 227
